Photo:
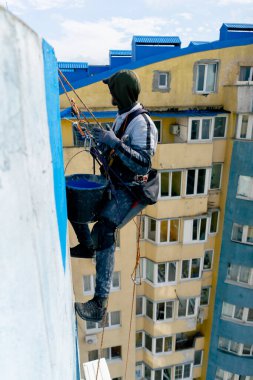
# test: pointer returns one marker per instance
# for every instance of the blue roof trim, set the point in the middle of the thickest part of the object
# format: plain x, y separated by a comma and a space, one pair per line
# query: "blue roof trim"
73, 65
156, 39
112, 114
239, 26
120, 52
216, 45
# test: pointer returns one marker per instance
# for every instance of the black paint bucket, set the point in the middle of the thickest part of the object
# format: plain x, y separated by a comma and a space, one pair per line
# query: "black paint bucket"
85, 196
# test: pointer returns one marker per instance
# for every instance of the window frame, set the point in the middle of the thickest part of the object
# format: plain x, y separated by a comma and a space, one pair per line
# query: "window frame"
250, 75
93, 283
170, 181
248, 197
166, 85
209, 288
211, 212
155, 282
110, 326
240, 347
155, 311
200, 119
245, 314
226, 127
206, 63
189, 230
196, 178
238, 274
249, 128
158, 230
245, 229
190, 278
221, 173
211, 267
187, 308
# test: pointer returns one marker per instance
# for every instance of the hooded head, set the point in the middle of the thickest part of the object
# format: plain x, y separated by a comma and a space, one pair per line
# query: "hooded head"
125, 88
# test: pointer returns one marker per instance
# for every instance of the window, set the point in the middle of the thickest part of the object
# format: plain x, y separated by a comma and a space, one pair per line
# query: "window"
205, 295
139, 305
196, 181
163, 374
245, 187
195, 230
89, 283
208, 259
139, 339
161, 81
214, 221
220, 127
246, 74
237, 313
187, 307
240, 274
112, 320
160, 273
163, 231
158, 125
245, 127
163, 344
110, 353
242, 234
159, 311
198, 355
138, 371
170, 184
241, 349
216, 176
148, 342
206, 78
200, 129
183, 371
190, 269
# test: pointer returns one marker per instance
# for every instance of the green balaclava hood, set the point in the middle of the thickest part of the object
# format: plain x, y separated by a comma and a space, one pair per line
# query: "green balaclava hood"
125, 88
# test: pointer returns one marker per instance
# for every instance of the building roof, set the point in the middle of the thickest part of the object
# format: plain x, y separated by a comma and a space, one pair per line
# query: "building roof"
246, 27
72, 65
162, 40
121, 52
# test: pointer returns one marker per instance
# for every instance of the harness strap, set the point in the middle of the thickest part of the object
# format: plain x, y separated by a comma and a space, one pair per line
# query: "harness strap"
128, 120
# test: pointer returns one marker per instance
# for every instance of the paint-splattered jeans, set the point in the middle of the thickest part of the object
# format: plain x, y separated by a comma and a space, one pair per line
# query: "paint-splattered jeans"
119, 210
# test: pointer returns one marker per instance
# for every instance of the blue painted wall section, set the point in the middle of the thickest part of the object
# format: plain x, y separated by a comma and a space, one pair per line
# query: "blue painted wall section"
53, 114
241, 212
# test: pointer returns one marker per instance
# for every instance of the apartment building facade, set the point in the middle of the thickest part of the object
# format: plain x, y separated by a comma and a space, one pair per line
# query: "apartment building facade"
200, 99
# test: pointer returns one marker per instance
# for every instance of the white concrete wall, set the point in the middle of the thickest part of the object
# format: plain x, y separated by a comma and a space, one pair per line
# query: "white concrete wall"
37, 324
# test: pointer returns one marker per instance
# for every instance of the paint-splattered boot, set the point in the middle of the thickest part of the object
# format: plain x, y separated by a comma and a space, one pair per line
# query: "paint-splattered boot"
93, 310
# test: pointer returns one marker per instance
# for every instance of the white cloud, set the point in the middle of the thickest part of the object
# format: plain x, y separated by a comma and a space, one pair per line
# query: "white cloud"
227, 2
41, 5
186, 15
91, 41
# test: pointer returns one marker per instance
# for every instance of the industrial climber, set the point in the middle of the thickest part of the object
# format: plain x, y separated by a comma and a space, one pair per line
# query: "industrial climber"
128, 147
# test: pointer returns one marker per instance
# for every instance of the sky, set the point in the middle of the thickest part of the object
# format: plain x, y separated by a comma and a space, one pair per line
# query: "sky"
85, 30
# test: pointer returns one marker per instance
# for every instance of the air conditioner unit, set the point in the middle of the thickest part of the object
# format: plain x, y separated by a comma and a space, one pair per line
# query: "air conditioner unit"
91, 339
174, 129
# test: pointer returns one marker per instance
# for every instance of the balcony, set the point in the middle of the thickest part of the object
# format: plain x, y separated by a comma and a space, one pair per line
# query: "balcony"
184, 155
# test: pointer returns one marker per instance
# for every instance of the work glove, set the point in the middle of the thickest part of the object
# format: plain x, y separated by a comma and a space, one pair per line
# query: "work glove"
105, 137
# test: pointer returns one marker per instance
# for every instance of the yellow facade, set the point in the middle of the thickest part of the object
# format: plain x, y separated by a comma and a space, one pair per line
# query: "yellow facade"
171, 155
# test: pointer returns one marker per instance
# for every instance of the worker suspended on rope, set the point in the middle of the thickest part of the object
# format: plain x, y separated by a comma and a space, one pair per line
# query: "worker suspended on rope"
128, 148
